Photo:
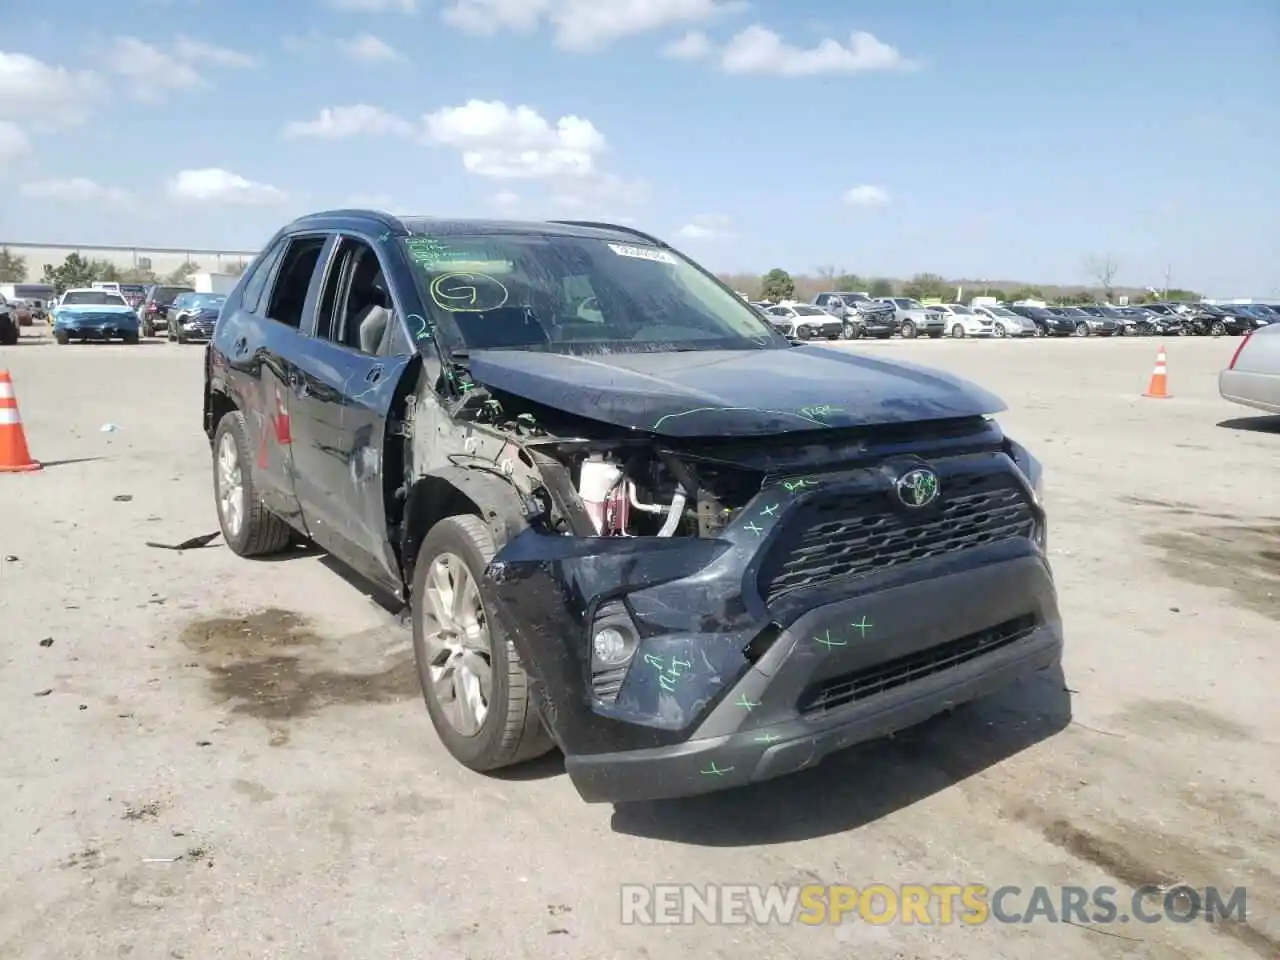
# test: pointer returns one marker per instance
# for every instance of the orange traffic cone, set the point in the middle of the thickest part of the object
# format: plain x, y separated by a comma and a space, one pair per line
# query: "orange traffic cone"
1159, 386
14, 455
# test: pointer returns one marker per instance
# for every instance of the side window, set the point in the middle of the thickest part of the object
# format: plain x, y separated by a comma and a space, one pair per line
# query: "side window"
356, 308
294, 279
260, 273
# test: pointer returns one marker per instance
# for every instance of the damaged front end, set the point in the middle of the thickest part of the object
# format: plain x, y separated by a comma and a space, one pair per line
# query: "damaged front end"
699, 612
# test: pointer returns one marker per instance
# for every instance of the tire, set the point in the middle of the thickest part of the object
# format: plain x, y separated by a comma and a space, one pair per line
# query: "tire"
259, 531
168, 334
512, 730
908, 330
182, 337
1218, 328
62, 337
999, 330
851, 331
1042, 330
147, 329
9, 334
957, 332
130, 338
1081, 330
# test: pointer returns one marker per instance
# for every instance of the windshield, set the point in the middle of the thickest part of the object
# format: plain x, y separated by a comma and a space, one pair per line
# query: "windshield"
959, 308
1002, 312
811, 312
166, 295
206, 301
575, 294
96, 298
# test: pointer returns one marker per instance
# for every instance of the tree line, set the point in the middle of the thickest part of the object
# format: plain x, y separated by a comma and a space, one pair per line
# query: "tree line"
778, 284
78, 271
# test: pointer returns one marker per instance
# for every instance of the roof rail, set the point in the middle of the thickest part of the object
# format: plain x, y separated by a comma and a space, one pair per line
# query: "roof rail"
600, 225
386, 219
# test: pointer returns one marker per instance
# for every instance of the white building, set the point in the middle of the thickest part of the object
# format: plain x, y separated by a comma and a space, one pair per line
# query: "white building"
159, 260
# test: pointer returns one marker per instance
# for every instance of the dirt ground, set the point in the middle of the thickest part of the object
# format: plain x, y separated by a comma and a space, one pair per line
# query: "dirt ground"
208, 757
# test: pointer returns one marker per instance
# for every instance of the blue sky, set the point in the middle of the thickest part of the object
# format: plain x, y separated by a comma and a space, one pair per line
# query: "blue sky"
993, 140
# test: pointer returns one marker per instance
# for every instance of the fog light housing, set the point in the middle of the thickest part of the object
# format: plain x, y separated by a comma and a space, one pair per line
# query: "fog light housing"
614, 639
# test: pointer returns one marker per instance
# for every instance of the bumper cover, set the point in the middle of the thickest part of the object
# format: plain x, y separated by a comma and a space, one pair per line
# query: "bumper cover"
745, 670
756, 733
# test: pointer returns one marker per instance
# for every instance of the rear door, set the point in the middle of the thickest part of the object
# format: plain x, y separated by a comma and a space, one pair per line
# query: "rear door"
358, 353
263, 341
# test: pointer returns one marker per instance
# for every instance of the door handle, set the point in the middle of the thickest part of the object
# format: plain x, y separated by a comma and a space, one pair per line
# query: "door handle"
374, 374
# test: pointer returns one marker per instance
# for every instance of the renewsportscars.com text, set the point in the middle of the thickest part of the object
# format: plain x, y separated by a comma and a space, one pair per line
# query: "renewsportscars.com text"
927, 904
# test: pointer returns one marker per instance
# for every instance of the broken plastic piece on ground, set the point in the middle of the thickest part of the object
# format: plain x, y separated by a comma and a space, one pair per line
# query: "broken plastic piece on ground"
193, 543
122, 497
109, 428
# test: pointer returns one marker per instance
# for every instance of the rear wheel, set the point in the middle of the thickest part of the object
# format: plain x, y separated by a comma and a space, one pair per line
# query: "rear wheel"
476, 691
999, 330
851, 331
62, 336
957, 331
250, 529
1081, 330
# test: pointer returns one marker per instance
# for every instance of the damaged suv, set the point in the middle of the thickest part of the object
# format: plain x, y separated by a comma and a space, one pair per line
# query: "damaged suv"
630, 520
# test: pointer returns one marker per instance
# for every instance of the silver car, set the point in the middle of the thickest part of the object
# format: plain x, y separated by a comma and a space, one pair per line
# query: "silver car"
1253, 376
1006, 323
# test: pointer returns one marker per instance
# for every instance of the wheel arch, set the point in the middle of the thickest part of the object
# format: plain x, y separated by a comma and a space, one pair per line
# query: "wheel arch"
455, 490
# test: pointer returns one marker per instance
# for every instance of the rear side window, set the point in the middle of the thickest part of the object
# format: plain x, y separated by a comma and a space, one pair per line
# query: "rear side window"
293, 280
259, 274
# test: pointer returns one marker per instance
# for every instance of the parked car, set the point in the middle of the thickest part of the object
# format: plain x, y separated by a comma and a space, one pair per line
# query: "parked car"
912, 317
801, 321
1049, 324
1124, 325
154, 309
192, 315
637, 540
1006, 323
1252, 378
1085, 324
1260, 314
134, 293
1220, 320
9, 332
94, 314
962, 321
22, 311
862, 316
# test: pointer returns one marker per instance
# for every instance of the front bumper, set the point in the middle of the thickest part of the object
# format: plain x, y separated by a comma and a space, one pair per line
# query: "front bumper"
196, 329
737, 679
102, 329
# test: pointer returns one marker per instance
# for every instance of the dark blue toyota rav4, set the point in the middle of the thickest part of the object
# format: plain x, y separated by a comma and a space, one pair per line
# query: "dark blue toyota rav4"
630, 519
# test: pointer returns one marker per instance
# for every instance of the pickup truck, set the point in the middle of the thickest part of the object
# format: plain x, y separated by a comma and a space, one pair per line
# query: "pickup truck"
862, 316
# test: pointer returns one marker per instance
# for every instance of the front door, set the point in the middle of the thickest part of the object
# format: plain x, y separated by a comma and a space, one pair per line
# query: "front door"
353, 370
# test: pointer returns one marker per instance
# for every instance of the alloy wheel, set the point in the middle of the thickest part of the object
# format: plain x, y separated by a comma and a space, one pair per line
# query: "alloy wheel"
459, 654
230, 484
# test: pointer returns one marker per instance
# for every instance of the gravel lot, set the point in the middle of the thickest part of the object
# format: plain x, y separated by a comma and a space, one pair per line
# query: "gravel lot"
260, 721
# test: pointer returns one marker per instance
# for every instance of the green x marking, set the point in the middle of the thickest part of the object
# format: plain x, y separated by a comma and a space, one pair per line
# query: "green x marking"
862, 625
753, 528
827, 642
769, 511
715, 771
746, 703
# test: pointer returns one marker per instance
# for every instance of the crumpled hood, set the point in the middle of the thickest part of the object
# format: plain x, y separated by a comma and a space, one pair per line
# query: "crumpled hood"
733, 392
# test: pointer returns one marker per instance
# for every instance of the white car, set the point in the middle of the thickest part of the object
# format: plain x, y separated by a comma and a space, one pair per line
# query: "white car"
961, 321
1006, 323
801, 321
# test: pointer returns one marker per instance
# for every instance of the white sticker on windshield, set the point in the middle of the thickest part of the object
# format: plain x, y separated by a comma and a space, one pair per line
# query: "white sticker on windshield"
642, 253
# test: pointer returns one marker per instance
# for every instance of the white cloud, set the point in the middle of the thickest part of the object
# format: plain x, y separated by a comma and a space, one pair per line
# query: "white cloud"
213, 55
297, 42
151, 72
339, 123
517, 143
694, 45
582, 25
758, 50
75, 190
13, 142
213, 185
31, 89
707, 226
866, 195
505, 200
373, 6
366, 48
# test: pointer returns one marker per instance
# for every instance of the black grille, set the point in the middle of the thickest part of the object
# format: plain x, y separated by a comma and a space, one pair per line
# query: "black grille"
852, 687
843, 536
